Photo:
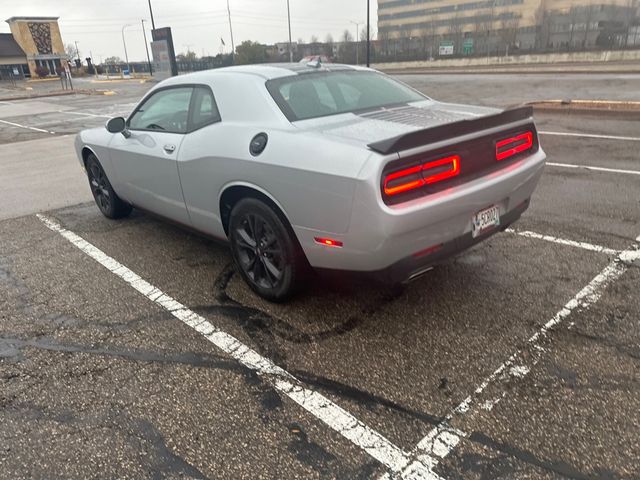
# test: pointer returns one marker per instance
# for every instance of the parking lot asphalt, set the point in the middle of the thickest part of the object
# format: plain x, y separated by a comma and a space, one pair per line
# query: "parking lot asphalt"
517, 359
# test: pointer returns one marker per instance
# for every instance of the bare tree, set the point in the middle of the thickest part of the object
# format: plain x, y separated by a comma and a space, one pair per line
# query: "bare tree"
314, 39
574, 23
456, 31
509, 32
544, 21
589, 18
383, 38
485, 27
328, 45
433, 38
347, 54
424, 37
71, 51
631, 19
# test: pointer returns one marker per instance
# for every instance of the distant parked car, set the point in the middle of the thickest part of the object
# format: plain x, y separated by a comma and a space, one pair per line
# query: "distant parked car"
315, 58
333, 167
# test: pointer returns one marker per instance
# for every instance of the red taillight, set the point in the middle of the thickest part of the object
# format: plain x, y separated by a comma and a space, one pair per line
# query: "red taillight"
512, 146
421, 175
428, 251
328, 242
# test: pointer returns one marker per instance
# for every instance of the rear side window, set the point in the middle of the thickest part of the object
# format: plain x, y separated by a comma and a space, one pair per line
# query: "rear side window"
204, 110
320, 94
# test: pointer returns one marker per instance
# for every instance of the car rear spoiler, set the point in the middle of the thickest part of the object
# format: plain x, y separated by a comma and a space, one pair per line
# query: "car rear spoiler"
450, 130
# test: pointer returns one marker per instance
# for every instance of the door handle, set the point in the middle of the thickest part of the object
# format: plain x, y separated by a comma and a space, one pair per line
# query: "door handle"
169, 148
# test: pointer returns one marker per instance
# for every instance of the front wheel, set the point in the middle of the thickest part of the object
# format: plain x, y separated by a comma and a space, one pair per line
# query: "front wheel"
108, 202
265, 250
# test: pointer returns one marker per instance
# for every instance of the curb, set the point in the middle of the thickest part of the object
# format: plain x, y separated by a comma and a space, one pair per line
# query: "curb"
601, 106
57, 94
507, 71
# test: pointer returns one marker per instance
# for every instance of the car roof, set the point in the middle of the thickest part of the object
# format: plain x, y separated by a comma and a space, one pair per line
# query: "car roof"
267, 71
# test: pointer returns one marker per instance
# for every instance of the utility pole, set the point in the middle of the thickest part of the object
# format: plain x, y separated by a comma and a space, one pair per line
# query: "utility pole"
126, 55
368, 33
290, 45
357, 41
146, 46
233, 47
153, 24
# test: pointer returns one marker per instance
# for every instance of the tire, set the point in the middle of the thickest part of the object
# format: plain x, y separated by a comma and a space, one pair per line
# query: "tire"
106, 198
265, 250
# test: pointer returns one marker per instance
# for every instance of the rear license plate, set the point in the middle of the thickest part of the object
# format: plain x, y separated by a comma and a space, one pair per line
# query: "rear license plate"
484, 220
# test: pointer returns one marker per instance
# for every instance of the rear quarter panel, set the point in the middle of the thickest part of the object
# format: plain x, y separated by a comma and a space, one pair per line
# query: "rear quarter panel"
311, 178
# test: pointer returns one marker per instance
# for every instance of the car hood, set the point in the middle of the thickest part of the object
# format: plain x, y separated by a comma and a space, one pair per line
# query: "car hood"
384, 123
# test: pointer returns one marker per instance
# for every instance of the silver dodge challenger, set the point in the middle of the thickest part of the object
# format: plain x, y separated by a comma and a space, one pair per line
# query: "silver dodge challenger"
325, 167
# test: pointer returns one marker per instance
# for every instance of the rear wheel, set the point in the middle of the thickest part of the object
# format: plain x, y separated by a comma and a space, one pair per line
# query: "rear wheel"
265, 250
108, 202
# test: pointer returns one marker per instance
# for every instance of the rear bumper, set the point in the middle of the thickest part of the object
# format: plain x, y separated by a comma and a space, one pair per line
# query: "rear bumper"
413, 266
384, 238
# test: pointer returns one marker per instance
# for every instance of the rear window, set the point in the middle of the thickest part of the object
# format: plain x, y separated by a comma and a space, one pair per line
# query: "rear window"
314, 95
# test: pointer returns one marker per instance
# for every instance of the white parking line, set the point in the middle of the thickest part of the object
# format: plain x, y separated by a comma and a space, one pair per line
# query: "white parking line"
597, 169
27, 127
372, 442
443, 439
84, 114
562, 241
590, 135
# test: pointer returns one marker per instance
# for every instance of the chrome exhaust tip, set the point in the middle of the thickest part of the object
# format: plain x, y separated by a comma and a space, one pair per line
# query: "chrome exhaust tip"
418, 274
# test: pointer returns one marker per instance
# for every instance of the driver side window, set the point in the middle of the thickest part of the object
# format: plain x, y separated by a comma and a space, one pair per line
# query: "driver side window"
165, 111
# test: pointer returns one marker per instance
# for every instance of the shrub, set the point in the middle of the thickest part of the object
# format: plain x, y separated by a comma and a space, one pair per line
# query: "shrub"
42, 71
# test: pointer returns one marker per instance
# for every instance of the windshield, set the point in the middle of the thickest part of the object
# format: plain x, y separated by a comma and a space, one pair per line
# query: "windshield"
320, 94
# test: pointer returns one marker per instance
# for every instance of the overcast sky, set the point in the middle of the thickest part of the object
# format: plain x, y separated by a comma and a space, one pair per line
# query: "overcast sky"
196, 24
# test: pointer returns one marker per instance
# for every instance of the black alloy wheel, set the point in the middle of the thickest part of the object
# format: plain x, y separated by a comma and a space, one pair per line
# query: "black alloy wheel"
265, 250
106, 198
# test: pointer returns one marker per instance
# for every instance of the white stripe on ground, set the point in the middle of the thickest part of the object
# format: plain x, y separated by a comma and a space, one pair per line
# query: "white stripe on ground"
443, 439
84, 114
597, 169
27, 127
373, 443
562, 241
591, 135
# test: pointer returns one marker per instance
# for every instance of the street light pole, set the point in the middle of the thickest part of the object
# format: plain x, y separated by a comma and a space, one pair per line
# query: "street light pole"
357, 41
146, 46
233, 47
368, 33
290, 46
126, 55
153, 24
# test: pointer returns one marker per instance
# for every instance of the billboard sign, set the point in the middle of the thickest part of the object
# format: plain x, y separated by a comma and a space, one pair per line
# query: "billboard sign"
446, 49
164, 35
467, 46
161, 59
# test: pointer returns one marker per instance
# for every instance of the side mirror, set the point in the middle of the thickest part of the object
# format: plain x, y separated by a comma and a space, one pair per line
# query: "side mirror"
118, 125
